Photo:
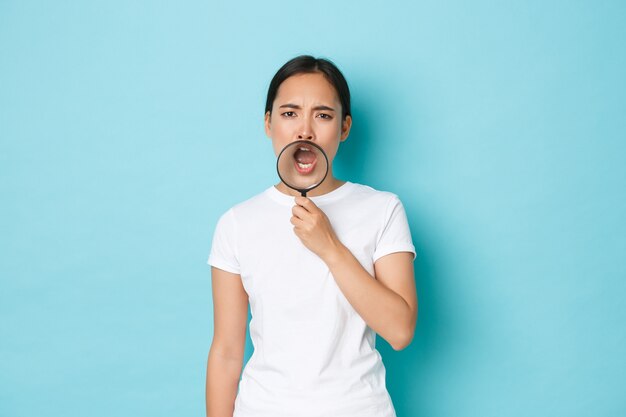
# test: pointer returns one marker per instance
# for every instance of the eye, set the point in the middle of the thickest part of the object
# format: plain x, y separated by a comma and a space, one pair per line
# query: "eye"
325, 116
288, 114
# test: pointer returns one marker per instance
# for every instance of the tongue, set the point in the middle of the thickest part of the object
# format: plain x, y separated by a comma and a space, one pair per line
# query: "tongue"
304, 157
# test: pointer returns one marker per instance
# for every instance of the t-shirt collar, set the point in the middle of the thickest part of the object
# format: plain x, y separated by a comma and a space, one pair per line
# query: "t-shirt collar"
333, 195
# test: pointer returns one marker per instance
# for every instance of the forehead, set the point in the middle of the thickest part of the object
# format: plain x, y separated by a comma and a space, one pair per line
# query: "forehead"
307, 88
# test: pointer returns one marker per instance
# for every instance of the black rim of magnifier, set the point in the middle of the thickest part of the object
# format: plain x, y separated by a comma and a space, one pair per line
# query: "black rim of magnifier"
302, 191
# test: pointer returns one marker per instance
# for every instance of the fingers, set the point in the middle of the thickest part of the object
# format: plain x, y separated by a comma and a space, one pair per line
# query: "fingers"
299, 212
299, 225
296, 221
300, 200
304, 206
306, 202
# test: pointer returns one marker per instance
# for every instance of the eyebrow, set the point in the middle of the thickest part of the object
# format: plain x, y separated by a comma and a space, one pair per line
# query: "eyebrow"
295, 106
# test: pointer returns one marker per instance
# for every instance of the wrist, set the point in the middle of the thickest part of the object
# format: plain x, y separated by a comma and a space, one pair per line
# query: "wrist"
336, 253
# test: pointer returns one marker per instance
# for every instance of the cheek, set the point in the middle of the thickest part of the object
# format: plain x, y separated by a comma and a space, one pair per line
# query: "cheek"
279, 130
279, 137
331, 132
331, 153
330, 148
328, 131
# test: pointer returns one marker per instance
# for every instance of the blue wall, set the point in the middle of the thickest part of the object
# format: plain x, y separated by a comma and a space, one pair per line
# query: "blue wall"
123, 130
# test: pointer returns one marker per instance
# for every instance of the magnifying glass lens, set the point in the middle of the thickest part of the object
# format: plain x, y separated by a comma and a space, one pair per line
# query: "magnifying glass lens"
302, 166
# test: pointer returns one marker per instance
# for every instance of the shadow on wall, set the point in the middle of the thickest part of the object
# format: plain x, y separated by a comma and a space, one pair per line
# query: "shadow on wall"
409, 370
375, 154
355, 154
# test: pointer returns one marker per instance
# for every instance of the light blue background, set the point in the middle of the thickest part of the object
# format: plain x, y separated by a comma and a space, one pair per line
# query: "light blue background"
128, 127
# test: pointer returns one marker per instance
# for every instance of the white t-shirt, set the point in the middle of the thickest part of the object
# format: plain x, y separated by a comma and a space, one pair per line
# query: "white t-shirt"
314, 355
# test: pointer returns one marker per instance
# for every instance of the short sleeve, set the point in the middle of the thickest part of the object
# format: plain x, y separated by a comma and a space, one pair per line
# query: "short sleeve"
223, 253
395, 235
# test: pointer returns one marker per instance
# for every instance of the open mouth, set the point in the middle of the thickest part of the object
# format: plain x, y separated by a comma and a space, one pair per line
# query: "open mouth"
304, 160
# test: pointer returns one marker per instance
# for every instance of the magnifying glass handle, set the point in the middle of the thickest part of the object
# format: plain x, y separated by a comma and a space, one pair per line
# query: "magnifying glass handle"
303, 193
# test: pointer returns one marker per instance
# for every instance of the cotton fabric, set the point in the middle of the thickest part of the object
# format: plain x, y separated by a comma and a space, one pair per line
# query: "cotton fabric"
314, 356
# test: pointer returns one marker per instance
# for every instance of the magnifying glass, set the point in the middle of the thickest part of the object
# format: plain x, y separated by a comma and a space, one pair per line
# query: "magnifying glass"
302, 165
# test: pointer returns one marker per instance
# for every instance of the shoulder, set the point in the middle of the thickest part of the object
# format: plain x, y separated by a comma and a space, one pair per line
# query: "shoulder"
370, 195
247, 207
378, 204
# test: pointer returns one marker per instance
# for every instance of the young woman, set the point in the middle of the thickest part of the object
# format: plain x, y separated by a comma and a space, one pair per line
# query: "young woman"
322, 274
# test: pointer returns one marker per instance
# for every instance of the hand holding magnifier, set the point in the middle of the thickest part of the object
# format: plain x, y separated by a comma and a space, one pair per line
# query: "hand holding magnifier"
302, 165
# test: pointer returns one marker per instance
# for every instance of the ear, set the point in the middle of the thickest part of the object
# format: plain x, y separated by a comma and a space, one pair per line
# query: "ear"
345, 128
267, 124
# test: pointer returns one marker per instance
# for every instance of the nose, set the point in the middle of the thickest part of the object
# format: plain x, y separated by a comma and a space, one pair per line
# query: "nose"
305, 130
305, 136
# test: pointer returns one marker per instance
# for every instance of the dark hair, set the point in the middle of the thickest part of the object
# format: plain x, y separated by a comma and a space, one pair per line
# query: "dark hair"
306, 64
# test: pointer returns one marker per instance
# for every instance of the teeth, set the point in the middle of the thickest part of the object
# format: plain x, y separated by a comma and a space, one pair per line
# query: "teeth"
304, 166
302, 148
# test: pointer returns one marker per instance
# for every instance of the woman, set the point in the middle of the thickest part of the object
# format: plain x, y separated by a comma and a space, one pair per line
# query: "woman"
322, 274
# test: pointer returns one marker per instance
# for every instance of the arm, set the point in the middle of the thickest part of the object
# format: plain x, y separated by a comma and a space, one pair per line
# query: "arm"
230, 316
386, 302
